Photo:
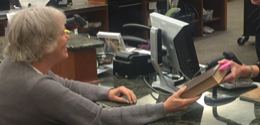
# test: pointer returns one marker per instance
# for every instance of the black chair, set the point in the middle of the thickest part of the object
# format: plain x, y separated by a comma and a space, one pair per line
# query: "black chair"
133, 34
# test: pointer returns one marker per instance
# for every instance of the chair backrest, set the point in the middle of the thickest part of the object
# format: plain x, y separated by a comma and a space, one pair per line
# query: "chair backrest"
133, 34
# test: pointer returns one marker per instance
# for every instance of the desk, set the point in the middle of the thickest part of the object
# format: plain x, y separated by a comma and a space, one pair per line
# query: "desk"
3, 22
242, 112
81, 64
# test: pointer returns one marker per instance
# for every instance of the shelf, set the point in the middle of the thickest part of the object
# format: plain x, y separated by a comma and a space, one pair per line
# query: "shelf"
213, 19
219, 7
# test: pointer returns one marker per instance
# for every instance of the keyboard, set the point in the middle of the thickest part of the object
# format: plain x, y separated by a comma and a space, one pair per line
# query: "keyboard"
240, 83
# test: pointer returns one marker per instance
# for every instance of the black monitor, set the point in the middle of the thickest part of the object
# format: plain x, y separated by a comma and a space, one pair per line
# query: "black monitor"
4, 5
176, 36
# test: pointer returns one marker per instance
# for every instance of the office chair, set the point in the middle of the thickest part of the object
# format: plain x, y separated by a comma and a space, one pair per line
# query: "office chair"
133, 35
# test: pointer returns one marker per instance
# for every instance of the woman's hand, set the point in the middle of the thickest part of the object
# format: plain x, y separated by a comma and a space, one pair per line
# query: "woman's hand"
175, 103
114, 94
236, 71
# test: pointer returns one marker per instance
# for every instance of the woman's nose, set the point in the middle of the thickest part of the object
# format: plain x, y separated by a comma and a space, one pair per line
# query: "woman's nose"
67, 36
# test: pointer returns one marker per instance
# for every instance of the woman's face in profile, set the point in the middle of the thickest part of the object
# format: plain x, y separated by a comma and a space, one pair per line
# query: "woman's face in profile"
60, 51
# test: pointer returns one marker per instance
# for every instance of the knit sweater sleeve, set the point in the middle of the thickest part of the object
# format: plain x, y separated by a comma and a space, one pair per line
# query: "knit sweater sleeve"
61, 104
90, 91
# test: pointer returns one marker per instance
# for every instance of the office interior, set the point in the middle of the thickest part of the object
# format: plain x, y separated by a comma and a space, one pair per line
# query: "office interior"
229, 26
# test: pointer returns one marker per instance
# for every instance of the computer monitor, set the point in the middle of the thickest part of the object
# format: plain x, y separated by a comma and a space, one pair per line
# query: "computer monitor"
176, 36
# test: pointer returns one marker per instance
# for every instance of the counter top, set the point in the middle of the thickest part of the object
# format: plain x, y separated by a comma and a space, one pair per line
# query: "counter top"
192, 116
236, 112
78, 42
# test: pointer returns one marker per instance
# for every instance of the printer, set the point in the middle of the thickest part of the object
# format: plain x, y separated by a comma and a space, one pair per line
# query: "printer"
132, 64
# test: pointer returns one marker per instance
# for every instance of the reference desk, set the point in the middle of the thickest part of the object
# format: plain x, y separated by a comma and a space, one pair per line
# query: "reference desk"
81, 64
236, 112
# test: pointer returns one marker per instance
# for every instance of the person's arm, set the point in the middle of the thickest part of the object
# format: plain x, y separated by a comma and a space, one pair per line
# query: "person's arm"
175, 103
94, 92
90, 91
58, 103
256, 73
247, 71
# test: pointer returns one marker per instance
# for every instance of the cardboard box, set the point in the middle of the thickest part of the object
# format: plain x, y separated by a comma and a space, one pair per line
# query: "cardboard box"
204, 82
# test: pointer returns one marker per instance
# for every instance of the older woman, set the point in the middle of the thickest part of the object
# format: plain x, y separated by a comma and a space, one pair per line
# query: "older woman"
31, 94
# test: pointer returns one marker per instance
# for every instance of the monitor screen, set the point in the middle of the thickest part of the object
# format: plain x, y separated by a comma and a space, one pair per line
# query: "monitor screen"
176, 36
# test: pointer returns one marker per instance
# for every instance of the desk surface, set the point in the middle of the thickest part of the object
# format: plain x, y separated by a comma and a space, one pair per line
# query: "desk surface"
78, 42
236, 112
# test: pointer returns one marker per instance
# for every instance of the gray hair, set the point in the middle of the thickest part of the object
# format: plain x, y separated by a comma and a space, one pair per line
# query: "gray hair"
33, 32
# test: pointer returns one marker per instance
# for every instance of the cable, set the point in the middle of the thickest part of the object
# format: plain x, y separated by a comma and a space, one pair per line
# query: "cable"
153, 96
199, 72
154, 89
195, 10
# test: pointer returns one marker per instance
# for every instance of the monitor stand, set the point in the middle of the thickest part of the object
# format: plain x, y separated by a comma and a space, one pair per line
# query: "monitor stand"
163, 84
